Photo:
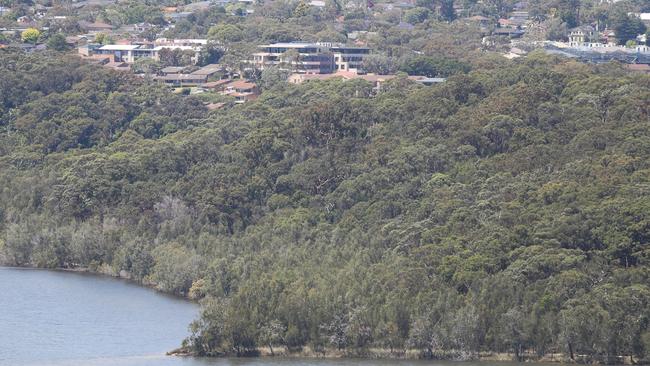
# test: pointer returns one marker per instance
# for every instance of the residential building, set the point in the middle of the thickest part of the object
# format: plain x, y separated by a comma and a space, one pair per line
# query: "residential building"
582, 35
481, 20
600, 52
171, 70
130, 53
211, 70
95, 27
310, 58
508, 32
182, 80
349, 58
242, 90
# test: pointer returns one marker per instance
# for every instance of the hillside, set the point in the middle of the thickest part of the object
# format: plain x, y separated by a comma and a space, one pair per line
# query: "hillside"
505, 210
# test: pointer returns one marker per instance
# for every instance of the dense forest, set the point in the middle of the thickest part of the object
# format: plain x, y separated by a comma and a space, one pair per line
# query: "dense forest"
505, 210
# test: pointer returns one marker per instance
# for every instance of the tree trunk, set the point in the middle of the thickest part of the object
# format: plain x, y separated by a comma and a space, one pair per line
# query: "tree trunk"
571, 351
271, 349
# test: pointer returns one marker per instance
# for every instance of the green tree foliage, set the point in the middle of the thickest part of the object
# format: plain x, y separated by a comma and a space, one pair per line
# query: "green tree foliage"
626, 27
417, 15
447, 11
57, 42
433, 66
505, 210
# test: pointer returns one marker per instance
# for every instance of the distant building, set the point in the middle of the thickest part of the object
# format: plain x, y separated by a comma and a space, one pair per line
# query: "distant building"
581, 35
130, 53
600, 52
242, 90
310, 58
508, 32
481, 20
211, 70
95, 27
182, 80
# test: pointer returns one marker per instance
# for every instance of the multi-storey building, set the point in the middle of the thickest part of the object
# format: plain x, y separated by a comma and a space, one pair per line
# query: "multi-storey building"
129, 53
310, 58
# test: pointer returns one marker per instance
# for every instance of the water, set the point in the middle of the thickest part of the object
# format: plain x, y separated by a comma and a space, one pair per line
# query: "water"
50, 318
60, 318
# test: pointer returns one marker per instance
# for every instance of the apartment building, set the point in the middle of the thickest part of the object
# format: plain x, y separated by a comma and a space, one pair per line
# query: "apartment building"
129, 53
310, 58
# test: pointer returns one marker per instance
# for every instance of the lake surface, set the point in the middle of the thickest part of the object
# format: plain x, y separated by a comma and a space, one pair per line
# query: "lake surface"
50, 318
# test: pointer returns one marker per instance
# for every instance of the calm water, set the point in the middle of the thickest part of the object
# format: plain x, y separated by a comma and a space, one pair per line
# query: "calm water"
67, 319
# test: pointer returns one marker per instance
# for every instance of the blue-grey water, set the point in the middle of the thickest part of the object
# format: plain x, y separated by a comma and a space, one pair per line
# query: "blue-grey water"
50, 318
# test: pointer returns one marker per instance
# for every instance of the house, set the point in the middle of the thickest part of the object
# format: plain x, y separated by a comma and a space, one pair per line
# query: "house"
242, 90
132, 52
218, 85
174, 17
608, 36
181, 80
210, 70
519, 18
508, 32
95, 27
581, 35
505, 23
481, 20
310, 58
118, 66
169, 70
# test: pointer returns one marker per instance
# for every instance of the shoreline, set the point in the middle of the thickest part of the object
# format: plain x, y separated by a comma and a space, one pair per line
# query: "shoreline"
367, 354
414, 355
87, 271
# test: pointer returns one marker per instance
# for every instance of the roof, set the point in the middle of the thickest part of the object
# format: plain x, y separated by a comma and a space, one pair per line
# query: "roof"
215, 84
241, 84
290, 45
208, 69
95, 25
174, 47
179, 77
173, 69
426, 79
119, 47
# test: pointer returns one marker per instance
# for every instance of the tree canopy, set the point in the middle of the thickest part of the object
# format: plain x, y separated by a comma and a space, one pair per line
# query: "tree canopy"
504, 210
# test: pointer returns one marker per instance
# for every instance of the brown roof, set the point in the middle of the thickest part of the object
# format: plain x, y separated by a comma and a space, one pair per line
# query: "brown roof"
178, 77
241, 84
96, 25
216, 84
